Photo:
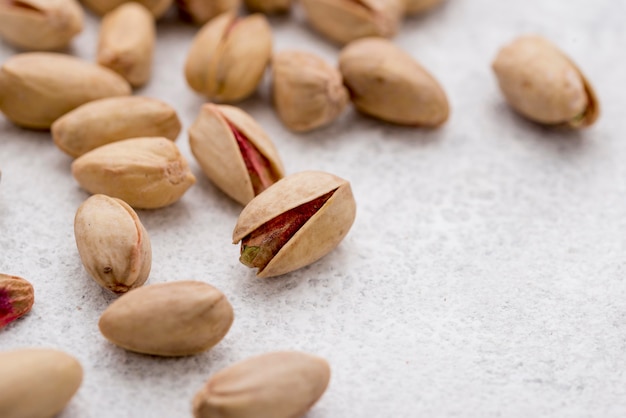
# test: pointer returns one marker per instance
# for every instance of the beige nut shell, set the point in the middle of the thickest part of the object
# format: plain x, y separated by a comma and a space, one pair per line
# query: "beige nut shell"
201, 11
420, 6
268, 6
102, 7
274, 385
318, 236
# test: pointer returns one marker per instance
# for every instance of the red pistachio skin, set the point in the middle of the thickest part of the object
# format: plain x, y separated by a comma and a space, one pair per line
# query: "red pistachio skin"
16, 298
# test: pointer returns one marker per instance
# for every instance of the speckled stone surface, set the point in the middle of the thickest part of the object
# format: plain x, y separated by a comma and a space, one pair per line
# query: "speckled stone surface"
483, 277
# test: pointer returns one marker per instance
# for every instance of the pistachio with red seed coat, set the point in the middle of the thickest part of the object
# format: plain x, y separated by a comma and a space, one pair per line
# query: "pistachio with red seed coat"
16, 298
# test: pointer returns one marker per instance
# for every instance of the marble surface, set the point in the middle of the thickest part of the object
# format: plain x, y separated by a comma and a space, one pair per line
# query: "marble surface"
483, 277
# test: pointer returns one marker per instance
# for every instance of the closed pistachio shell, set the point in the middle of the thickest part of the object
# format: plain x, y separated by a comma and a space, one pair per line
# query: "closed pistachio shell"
343, 21
308, 93
387, 83
201, 11
168, 319
544, 85
102, 7
420, 6
274, 385
295, 222
37, 383
234, 152
228, 57
40, 25
268, 6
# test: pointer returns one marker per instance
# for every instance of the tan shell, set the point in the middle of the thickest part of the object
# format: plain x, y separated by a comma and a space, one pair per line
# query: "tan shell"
215, 148
168, 319
201, 11
37, 383
275, 385
318, 236
268, 6
126, 44
146, 173
420, 6
544, 85
113, 244
17, 297
308, 93
102, 7
114, 119
228, 57
387, 83
36, 88
40, 25
343, 21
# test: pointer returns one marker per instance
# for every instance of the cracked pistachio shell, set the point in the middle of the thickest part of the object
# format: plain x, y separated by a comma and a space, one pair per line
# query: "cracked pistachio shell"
102, 7
126, 44
36, 88
40, 24
387, 83
274, 385
543, 84
113, 119
308, 93
420, 6
228, 57
168, 319
343, 21
112, 243
146, 173
201, 11
268, 6
319, 235
37, 382
215, 147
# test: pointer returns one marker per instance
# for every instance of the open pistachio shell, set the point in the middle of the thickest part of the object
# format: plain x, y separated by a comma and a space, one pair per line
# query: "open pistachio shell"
201, 11
268, 6
234, 152
543, 84
420, 6
102, 7
287, 201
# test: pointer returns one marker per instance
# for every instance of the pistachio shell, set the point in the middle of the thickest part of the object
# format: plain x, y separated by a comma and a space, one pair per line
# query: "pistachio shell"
544, 85
215, 147
146, 173
420, 6
36, 88
168, 319
343, 21
274, 385
114, 119
308, 93
37, 383
201, 11
268, 6
228, 57
321, 233
387, 83
17, 297
40, 24
102, 7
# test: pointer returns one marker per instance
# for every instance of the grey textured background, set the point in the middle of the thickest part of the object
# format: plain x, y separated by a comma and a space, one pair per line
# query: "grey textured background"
483, 277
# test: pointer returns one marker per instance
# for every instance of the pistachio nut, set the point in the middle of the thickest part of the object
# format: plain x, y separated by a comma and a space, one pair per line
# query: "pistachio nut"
16, 298
168, 319
146, 173
420, 6
112, 243
274, 385
387, 83
308, 93
343, 21
36, 382
113, 119
36, 88
102, 7
268, 6
543, 84
234, 152
201, 11
40, 24
126, 45
228, 57
295, 222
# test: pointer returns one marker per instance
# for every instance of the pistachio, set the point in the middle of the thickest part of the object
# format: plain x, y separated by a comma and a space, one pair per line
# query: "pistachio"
274, 385
308, 93
268, 6
543, 84
146, 173
36, 88
234, 152
114, 119
37, 383
201, 11
295, 222
343, 21
102, 7
228, 57
420, 6
168, 319
16, 298
40, 24
387, 83
126, 45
